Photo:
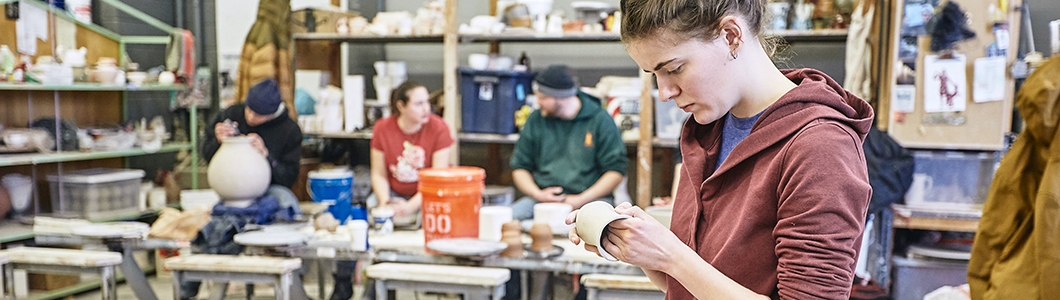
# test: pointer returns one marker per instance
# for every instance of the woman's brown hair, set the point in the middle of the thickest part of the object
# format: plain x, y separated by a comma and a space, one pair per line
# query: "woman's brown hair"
401, 93
688, 18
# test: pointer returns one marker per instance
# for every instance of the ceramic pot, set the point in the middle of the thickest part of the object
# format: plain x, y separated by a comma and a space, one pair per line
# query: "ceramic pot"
511, 234
541, 236
592, 222
553, 214
238, 172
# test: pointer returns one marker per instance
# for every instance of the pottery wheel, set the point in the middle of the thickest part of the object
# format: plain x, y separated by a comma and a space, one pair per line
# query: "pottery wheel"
272, 238
466, 246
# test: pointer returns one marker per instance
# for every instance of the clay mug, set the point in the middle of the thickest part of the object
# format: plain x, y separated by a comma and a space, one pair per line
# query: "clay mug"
591, 224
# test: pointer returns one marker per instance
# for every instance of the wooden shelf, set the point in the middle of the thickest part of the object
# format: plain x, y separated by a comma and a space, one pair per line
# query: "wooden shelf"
541, 37
964, 219
811, 35
88, 87
366, 38
360, 135
43, 158
580, 37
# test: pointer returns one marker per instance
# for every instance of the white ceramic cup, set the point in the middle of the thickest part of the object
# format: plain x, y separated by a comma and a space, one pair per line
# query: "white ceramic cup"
593, 219
358, 235
490, 220
20, 188
553, 214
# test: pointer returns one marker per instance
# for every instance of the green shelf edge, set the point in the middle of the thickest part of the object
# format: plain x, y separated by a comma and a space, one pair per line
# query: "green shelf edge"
88, 87
32, 159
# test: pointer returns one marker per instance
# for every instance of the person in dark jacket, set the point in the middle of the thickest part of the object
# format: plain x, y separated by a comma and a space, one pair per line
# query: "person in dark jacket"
774, 187
262, 118
569, 151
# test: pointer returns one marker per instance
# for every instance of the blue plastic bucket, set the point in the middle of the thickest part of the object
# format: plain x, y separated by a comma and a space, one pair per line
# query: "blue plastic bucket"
335, 189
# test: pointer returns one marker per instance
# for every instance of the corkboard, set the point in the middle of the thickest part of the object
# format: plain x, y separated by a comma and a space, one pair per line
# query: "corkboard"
985, 123
98, 45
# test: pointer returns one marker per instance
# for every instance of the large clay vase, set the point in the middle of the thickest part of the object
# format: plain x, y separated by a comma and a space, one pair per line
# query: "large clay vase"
238, 172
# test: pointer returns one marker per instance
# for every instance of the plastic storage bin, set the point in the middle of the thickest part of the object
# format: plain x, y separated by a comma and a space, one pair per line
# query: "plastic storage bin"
96, 194
951, 178
489, 99
914, 278
498, 195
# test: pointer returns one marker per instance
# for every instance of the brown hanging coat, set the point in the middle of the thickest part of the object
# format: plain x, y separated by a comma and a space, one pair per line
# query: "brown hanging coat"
1016, 254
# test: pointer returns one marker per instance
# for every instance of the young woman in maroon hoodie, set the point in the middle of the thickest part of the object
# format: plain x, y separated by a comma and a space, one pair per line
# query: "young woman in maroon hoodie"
774, 188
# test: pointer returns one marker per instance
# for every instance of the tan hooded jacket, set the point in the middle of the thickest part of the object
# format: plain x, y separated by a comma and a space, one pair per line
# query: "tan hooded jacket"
1016, 254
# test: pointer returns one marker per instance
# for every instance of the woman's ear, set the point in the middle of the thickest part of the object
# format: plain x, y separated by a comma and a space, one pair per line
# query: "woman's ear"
732, 31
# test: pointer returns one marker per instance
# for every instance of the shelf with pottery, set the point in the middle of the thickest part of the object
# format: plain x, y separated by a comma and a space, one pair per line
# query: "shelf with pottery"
949, 218
472, 137
367, 38
65, 156
88, 87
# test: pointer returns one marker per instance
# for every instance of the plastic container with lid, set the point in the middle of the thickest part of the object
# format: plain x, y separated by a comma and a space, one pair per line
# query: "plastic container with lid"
452, 198
96, 194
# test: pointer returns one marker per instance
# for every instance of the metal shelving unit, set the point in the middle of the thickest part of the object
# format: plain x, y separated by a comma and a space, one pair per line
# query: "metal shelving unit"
102, 42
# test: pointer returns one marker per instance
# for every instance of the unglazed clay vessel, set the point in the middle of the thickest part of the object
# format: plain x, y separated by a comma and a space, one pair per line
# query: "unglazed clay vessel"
592, 222
511, 234
541, 234
238, 172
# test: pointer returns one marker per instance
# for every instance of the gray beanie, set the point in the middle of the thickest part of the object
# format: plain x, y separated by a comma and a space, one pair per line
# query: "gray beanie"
557, 81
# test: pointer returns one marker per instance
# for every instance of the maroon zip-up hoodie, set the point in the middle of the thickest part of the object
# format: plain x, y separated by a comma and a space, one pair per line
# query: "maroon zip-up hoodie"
784, 213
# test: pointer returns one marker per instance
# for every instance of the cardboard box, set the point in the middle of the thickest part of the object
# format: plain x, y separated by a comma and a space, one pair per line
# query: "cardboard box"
322, 20
48, 282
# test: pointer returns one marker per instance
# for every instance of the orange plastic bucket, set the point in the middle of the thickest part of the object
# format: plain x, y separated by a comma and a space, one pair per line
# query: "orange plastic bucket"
451, 200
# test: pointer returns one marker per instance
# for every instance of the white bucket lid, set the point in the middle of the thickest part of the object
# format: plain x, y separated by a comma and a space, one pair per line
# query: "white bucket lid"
331, 174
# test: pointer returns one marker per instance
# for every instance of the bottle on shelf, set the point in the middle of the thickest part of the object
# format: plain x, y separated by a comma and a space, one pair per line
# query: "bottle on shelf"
524, 63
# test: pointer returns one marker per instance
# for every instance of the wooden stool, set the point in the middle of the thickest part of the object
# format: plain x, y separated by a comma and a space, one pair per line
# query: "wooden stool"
473, 282
63, 261
229, 268
605, 286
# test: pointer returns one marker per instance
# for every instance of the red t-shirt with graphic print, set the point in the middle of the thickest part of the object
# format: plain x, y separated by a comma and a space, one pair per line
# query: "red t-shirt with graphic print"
405, 154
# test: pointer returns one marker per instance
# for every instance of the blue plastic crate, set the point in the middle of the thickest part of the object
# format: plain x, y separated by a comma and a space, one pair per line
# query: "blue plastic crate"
491, 98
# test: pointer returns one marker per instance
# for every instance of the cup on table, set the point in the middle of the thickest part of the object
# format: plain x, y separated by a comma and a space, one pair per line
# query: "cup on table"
490, 221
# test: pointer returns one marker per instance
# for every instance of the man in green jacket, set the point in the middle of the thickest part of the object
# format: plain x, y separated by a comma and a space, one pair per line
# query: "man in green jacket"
569, 151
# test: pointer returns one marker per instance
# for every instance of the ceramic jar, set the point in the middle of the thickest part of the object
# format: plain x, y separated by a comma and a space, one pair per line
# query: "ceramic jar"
238, 172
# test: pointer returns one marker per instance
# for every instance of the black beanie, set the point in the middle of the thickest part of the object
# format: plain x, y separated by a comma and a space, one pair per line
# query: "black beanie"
557, 81
264, 98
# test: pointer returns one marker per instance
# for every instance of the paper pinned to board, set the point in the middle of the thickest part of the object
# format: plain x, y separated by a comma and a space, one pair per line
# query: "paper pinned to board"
903, 98
945, 83
989, 81
32, 24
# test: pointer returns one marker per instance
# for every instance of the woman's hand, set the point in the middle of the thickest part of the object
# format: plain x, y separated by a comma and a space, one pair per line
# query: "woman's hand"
573, 235
642, 240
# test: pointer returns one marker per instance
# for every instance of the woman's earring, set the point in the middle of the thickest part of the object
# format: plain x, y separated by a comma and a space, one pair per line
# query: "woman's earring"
733, 52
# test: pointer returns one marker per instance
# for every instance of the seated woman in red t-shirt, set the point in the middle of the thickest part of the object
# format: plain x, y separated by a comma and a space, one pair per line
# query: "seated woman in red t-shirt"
410, 139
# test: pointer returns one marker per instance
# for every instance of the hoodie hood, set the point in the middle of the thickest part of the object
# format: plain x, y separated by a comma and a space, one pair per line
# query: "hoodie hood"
1038, 100
816, 96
